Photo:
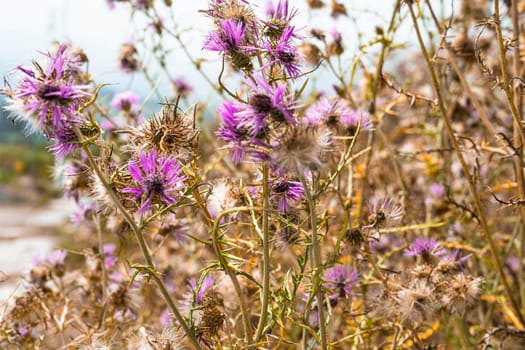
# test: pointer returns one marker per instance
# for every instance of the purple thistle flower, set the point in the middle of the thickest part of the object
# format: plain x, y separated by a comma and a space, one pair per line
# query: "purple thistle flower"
23, 331
200, 292
383, 211
231, 130
56, 257
109, 254
46, 98
436, 190
228, 38
332, 113
284, 53
340, 279
84, 212
267, 101
65, 140
455, 260
280, 18
166, 320
283, 192
182, 87
126, 101
426, 248
351, 119
157, 177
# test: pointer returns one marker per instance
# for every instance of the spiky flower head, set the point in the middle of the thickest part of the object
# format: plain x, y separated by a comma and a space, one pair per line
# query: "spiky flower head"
47, 99
337, 116
416, 303
227, 39
280, 17
231, 130
268, 104
238, 10
340, 279
461, 293
230, 40
126, 101
284, 53
172, 132
158, 179
285, 192
427, 248
383, 212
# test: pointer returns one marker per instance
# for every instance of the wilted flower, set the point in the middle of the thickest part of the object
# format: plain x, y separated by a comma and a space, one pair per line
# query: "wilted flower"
416, 304
336, 46
461, 292
302, 148
383, 211
159, 179
128, 61
286, 237
172, 132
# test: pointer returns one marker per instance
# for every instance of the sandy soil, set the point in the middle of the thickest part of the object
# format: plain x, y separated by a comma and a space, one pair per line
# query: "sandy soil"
24, 232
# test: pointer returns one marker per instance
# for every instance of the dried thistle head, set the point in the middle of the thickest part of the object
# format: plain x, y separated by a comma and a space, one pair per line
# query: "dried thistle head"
168, 339
354, 237
311, 53
172, 132
315, 4
416, 304
461, 292
212, 318
302, 148
127, 57
236, 10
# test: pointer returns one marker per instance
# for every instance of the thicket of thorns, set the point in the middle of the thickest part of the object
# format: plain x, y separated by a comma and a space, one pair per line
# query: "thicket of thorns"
384, 212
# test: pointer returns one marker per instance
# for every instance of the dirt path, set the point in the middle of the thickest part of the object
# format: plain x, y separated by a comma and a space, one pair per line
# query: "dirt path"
24, 232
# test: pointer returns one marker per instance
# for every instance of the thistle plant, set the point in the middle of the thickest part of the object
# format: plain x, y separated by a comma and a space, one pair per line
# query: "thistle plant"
344, 196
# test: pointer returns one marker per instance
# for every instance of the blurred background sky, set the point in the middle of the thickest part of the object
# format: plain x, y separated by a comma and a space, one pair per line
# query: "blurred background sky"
27, 26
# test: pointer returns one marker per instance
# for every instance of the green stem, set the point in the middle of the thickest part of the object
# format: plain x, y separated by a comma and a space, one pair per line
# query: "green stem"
266, 257
316, 259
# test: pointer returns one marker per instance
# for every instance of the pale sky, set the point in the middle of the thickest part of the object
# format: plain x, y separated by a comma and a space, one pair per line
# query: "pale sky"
27, 26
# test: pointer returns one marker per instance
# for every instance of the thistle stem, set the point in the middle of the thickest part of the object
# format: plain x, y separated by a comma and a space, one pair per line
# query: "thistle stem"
266, 256
316, 259
229, 270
